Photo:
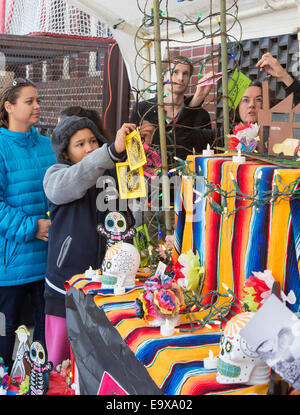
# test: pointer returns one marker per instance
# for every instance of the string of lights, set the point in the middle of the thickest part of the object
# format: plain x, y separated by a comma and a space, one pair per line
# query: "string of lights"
208, 29
278, 192
215, 313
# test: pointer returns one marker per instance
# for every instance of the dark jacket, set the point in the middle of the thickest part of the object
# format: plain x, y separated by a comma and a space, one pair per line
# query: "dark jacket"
74, 243
295, 89
191, 128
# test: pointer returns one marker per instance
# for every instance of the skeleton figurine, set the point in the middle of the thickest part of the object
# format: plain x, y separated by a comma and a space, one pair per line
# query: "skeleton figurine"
39, 367
18, 366
115, 228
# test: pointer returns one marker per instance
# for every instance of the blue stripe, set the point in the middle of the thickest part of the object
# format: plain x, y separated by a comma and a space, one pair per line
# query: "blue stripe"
148, 349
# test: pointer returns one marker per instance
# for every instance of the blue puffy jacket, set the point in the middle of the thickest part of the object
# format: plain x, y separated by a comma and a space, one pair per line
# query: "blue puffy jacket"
24, 159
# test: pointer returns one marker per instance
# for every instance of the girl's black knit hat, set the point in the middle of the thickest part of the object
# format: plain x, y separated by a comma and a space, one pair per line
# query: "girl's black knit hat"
66, 128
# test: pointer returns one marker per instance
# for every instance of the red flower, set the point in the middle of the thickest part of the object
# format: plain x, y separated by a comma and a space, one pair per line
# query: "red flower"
241, 127
232, 142
259, 286
176, 268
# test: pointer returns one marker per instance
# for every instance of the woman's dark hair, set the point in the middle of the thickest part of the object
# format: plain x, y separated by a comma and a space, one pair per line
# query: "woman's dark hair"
11, 93
92, 115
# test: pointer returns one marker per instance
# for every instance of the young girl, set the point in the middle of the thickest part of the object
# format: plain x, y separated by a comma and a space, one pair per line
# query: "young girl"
24, 158
83, 155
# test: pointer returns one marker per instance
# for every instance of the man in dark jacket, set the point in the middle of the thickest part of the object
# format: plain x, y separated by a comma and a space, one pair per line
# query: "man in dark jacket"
188, 125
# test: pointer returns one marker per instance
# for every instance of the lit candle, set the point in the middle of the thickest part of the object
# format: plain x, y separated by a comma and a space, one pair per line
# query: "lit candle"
211, 361
239, 158
208, 151
167, 328
89, 273
119, 288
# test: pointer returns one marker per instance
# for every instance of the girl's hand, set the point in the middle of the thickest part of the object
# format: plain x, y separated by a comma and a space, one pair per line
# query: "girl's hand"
121, 134
146, 131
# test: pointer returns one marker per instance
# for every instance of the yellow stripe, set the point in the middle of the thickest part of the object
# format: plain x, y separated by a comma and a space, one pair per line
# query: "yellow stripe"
279, 226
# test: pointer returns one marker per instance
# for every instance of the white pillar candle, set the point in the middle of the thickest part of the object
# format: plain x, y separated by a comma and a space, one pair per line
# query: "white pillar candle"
89, 273
239, 158
211, 361
96, 277
166, 328
208, 151
118, 290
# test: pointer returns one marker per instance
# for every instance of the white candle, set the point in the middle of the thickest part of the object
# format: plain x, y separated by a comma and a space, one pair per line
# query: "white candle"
208, 151
239, 158
211, 361
96, 277
166, 328
118, 290
89, 273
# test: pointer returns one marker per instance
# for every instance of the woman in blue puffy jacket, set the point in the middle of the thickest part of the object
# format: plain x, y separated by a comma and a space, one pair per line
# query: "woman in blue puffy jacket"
24, 158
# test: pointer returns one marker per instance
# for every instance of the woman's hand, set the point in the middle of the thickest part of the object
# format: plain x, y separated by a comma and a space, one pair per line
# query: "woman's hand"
272, 66
42, 231
120, 137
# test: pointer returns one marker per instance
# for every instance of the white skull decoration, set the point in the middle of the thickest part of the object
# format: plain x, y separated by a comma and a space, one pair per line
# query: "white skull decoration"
120, 265
238, 362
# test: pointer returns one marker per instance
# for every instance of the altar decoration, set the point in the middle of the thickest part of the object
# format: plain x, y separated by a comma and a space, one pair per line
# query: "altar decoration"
238, 362
244, 137
4, 378
189, 273
161, 299
258, 288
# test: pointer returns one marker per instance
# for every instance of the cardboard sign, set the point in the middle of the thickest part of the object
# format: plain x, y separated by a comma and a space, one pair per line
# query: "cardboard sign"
135, 150
237, 87
274, 332
131, 182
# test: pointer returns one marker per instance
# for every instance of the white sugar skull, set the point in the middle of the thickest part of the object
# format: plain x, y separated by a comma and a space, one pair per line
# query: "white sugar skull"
120, 265
238, 362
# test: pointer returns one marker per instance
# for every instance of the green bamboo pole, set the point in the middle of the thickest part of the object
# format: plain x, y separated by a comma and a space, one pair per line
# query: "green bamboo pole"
161, 119
224, 69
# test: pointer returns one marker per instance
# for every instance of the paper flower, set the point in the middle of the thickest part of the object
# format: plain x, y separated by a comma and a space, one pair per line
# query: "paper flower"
4, 378
161, 298
167, 302
258, 289
192, 271
153, 161
24, 387
244, 137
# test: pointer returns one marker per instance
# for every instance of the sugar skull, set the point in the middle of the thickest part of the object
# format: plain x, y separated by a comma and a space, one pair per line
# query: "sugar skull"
115, 228
238, 362
120, 265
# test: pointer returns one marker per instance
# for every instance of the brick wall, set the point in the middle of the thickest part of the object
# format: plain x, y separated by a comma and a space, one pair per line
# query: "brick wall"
62, 83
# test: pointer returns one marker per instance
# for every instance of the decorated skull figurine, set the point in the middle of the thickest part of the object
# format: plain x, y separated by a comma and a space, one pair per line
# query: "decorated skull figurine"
120, 265
238, 362
115, 228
